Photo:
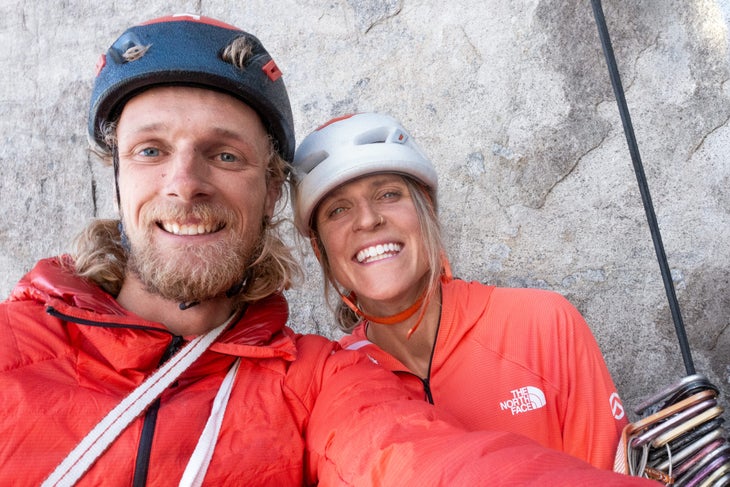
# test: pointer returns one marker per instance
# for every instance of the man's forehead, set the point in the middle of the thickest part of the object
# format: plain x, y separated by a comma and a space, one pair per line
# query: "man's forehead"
161, 107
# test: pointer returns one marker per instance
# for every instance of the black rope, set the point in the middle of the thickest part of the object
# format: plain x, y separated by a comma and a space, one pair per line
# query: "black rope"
643, 186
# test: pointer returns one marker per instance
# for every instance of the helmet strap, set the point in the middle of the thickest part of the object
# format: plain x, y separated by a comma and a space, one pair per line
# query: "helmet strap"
446, 275
115, 163
123, 239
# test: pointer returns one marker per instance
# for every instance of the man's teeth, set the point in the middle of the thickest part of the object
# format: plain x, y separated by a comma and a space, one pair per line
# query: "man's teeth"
378, 252
199, 229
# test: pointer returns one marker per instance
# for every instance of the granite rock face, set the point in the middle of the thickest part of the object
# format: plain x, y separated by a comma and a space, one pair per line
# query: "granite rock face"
513, 103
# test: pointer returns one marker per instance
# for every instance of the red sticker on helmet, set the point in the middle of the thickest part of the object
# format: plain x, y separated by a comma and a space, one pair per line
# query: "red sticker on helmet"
272, 70
100, 63
334, 120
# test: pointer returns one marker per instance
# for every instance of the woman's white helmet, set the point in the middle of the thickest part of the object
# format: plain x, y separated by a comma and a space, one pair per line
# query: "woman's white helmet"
350, 147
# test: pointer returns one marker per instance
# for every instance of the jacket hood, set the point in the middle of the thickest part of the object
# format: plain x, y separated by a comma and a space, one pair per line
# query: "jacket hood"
463, 303
53, 283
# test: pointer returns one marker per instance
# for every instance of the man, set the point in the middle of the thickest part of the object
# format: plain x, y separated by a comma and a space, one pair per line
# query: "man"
159, 355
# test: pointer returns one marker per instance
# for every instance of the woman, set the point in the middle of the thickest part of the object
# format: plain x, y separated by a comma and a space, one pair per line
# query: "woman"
519, 360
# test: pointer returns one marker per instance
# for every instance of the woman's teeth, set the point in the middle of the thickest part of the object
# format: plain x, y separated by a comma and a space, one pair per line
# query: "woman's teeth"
378, 252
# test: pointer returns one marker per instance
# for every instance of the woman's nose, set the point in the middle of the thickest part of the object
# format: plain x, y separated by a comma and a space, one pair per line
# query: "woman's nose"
367, 218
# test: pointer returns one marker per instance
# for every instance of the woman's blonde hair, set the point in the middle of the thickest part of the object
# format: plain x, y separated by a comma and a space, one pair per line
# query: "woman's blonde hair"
430, 228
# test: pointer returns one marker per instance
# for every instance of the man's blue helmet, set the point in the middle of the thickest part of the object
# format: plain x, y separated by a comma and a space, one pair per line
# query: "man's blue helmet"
186, 50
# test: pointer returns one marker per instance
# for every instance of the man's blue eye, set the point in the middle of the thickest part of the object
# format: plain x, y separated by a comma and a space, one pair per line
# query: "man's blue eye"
226, 157
150, 152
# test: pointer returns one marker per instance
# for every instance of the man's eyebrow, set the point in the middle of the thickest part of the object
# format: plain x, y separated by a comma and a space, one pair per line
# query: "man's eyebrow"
219, 131
232, 134
150, 127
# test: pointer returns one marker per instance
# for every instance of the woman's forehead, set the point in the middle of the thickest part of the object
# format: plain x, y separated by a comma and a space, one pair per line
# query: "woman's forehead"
369, 181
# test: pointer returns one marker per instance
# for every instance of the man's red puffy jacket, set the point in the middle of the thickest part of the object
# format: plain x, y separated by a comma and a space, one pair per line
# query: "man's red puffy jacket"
301, 411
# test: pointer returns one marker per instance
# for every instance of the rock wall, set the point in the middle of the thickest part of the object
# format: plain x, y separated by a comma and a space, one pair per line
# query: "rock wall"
511, 100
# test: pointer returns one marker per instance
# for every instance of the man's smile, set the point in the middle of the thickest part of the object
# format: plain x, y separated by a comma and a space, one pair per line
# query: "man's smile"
190, 229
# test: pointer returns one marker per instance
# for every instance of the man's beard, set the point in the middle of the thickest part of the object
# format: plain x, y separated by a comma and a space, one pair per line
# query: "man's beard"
193, 272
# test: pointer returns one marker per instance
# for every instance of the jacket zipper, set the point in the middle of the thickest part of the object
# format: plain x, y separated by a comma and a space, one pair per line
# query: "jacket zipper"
426, 382
83, 321
142, 463
148, 429
427, 389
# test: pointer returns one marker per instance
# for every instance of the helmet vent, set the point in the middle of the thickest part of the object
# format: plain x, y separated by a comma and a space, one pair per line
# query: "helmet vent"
377, 135
134, 53
127, 48
312, 160
238, 52
381, 135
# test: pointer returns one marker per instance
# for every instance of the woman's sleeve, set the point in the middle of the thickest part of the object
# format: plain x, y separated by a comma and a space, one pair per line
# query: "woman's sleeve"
594, 414
365, 429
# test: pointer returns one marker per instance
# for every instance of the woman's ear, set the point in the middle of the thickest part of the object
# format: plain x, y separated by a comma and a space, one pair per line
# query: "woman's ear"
314, 242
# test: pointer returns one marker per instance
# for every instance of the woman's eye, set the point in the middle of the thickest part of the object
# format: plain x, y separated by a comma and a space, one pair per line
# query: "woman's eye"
390, 194
336, 211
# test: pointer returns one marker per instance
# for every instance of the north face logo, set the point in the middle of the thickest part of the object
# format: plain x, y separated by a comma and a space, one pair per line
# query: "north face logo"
525, 399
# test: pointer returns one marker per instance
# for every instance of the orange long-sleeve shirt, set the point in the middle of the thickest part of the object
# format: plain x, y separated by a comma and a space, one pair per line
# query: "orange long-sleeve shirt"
518, 360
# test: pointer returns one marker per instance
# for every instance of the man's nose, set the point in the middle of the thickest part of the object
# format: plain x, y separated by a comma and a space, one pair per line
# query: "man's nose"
187, 176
